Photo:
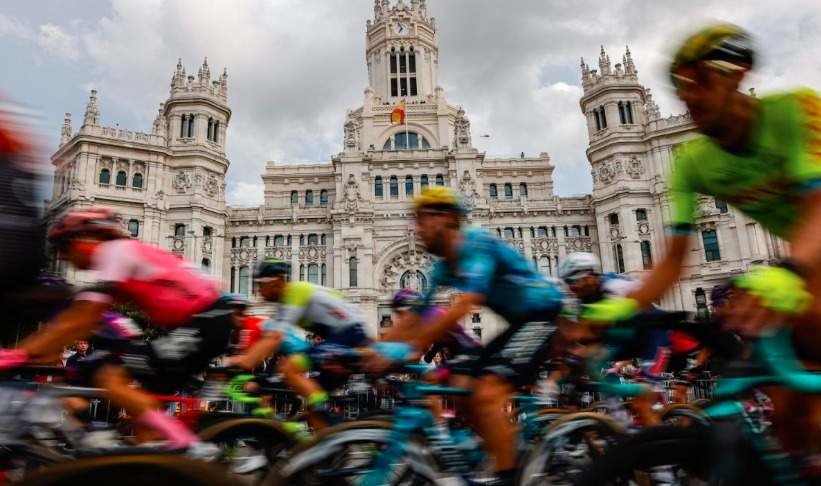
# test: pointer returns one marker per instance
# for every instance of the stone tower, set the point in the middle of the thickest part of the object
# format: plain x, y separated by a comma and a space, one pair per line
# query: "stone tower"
624, 206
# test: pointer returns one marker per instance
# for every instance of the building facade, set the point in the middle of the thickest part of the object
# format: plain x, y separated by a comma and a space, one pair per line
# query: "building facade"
347, 223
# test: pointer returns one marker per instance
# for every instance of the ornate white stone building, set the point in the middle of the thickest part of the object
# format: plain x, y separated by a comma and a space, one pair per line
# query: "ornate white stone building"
348, 224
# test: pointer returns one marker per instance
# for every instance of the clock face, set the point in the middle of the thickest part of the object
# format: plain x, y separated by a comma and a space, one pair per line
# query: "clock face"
402, 28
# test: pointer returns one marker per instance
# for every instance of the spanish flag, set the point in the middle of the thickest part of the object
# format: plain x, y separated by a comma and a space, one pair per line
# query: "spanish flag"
398, 114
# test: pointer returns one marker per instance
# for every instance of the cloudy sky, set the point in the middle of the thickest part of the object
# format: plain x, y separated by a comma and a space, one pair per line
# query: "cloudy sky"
295, 66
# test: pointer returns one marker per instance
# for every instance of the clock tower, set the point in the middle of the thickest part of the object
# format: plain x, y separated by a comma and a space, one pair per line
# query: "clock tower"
402, 51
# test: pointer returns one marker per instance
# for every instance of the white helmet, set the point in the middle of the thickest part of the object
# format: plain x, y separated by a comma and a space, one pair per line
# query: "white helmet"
578, 262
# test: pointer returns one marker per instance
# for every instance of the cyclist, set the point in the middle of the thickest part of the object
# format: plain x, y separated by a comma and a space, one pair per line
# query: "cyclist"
486, 272
171, 294
763, 155
319, 310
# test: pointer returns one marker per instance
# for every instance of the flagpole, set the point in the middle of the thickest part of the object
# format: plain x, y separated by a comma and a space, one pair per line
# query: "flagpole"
407, 141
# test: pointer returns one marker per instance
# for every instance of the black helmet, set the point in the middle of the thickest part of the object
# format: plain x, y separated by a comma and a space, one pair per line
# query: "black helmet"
272, 267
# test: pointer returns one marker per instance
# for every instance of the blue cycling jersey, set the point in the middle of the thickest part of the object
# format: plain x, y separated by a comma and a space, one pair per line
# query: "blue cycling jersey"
511, 286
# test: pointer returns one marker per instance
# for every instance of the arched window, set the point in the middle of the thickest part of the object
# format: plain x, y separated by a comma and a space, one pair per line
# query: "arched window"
302, 272
313, 273
179, 230
377, 187
207, 231
313, 239
406, 140
586, 230
407, 280
402, 71
279, 240
137, 181
493, 192
603, 117
206, 264
216, 131
641, 215
294, 198
394, 187
628, 112
499, 232
210, 129
575, 231
323, 198
322, 239
409, 186
233, 279
566, 232
288, 241
352, 272
134, 228
542, 232
509, 234
122, 178
105, 177
323, 275
544, 266
191, 121
243, 280
301, 240
646, 255
183, 125
440, 180
508, 191
423, 182
309, 198
233, 245
522, 189
553, 231
598, 119
622, 114
532, 232
245, 242
619, 259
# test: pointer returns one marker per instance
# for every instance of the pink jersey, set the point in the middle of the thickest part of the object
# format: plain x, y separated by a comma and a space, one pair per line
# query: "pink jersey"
161, 285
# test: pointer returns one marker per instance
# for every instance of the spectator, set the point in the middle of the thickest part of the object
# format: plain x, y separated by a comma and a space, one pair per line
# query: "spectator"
81, 347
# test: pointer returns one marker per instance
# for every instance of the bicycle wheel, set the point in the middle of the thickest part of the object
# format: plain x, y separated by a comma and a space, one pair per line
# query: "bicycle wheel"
341, 455
683, 415
130, 470
570, 445
249, 446
679, 454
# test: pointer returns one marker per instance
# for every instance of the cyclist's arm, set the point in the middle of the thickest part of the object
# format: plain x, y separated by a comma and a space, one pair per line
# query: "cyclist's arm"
462, 305
77, 322
805, 240
683, 204
267, 345
664, 274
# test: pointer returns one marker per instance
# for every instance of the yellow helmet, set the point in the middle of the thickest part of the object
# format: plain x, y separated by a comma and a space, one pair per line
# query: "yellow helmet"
439, 198
726, 46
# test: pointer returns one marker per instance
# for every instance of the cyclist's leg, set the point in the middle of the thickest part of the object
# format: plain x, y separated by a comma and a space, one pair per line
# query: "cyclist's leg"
117, 384
294, 369
512, 358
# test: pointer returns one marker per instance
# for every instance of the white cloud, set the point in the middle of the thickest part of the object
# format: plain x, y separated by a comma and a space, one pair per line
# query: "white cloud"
295, 67
54, 40
244, 194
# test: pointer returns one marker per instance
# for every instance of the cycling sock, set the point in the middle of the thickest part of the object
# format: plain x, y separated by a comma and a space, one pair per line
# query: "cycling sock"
171, 429
317, 401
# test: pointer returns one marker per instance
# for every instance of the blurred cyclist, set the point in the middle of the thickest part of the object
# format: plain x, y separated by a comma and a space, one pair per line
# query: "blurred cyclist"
317, 309
486, 272
763, 155
171, 294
